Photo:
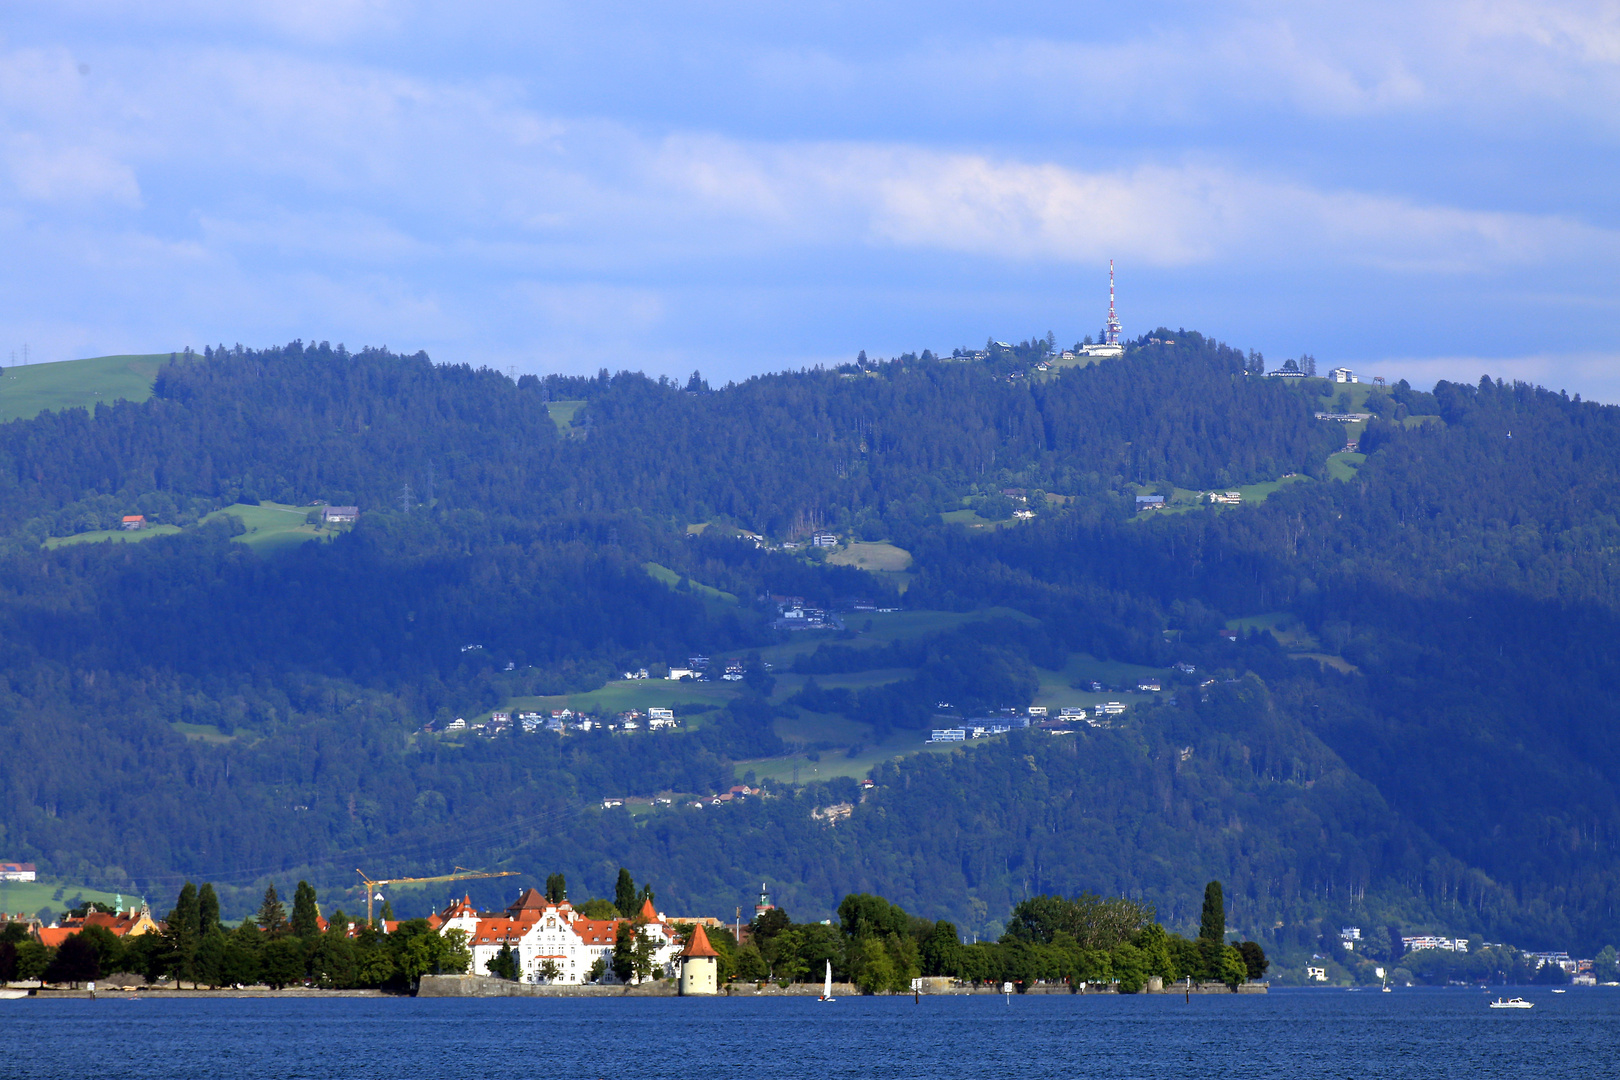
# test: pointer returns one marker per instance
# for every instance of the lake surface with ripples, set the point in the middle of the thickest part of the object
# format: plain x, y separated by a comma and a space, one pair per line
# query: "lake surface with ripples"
1289, 1033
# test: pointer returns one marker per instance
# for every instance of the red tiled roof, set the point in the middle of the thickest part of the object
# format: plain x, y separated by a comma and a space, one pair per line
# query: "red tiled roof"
52, 936
532, 900
649, 912
596, 931
698, 944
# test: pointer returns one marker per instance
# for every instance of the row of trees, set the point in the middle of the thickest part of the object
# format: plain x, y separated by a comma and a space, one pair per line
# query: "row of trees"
879, 947
268, 948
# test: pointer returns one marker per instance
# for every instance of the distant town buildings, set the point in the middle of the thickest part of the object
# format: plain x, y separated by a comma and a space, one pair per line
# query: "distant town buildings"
1415, 944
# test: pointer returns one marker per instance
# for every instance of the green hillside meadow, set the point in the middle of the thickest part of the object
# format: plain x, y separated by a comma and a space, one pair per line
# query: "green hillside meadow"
77, 384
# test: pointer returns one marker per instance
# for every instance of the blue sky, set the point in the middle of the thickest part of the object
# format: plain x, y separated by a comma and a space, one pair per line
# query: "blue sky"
1417, 189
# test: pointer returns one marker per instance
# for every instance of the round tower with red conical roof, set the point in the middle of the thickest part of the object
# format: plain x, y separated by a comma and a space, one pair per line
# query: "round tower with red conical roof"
700, 965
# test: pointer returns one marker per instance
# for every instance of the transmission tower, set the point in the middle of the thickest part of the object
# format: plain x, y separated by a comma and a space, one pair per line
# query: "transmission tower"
1111, 334
405, 498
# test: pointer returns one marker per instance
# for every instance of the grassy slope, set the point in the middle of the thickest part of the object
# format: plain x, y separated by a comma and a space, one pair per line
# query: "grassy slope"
273, 527
562, 414
115, 535
669, 577
30, 897
872, 556
28, 391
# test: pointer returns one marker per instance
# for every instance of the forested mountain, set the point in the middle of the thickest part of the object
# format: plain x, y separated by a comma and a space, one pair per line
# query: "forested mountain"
1409, 728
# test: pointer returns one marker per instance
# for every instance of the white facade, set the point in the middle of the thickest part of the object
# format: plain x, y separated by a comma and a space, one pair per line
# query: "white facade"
538, 931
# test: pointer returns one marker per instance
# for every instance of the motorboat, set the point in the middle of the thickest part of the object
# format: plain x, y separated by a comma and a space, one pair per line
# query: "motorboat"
1512, 1003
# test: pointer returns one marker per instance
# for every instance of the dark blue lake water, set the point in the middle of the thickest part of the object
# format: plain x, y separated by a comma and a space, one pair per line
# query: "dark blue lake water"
1304, 1033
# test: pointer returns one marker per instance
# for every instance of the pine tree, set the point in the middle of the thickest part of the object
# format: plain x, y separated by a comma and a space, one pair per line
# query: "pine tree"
387, 912
1212, 924
272, 917
207, 910
306, 912
624, 894
180, 935
556, 888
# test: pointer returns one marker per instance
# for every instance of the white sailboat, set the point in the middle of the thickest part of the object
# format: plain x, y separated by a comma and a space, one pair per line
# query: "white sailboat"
826, 987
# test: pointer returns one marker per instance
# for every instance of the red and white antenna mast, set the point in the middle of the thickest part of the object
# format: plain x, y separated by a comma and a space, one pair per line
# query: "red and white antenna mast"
1111, 335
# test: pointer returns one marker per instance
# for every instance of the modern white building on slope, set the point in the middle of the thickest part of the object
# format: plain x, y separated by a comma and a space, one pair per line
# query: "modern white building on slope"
538, 930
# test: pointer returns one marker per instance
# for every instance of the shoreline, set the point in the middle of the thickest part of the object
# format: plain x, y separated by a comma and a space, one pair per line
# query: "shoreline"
483, 986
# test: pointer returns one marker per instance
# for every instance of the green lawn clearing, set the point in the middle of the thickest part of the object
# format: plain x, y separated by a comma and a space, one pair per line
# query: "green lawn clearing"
28, 391
1345, 466
32, 897
621, 695
872, 556
274, 527
669, 577
562, 414
118, 536
205, 733
966, 516
1284, 626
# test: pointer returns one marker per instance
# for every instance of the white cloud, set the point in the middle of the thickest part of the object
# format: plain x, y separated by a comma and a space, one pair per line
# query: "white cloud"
71, 174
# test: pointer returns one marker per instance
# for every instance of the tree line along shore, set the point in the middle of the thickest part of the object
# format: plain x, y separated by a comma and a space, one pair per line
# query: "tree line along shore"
873, 946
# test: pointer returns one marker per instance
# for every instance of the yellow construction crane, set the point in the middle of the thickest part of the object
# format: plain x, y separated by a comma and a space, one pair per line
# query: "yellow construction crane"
461, 874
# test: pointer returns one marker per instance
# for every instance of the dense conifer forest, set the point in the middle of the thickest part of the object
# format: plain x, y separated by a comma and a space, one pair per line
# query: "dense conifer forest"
1399, 713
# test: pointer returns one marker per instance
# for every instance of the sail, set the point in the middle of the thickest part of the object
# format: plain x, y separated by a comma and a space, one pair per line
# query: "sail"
826, 990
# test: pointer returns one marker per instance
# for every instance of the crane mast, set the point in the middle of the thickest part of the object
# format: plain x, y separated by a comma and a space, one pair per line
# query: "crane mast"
461, 874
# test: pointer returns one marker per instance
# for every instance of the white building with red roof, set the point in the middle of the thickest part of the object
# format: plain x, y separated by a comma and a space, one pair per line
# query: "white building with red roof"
537, 930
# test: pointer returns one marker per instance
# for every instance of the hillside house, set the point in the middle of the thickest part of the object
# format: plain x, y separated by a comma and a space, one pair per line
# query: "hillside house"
1149, 502
1225, 498
824, 540
339, 515
17, 871
1343, 375
133, 522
